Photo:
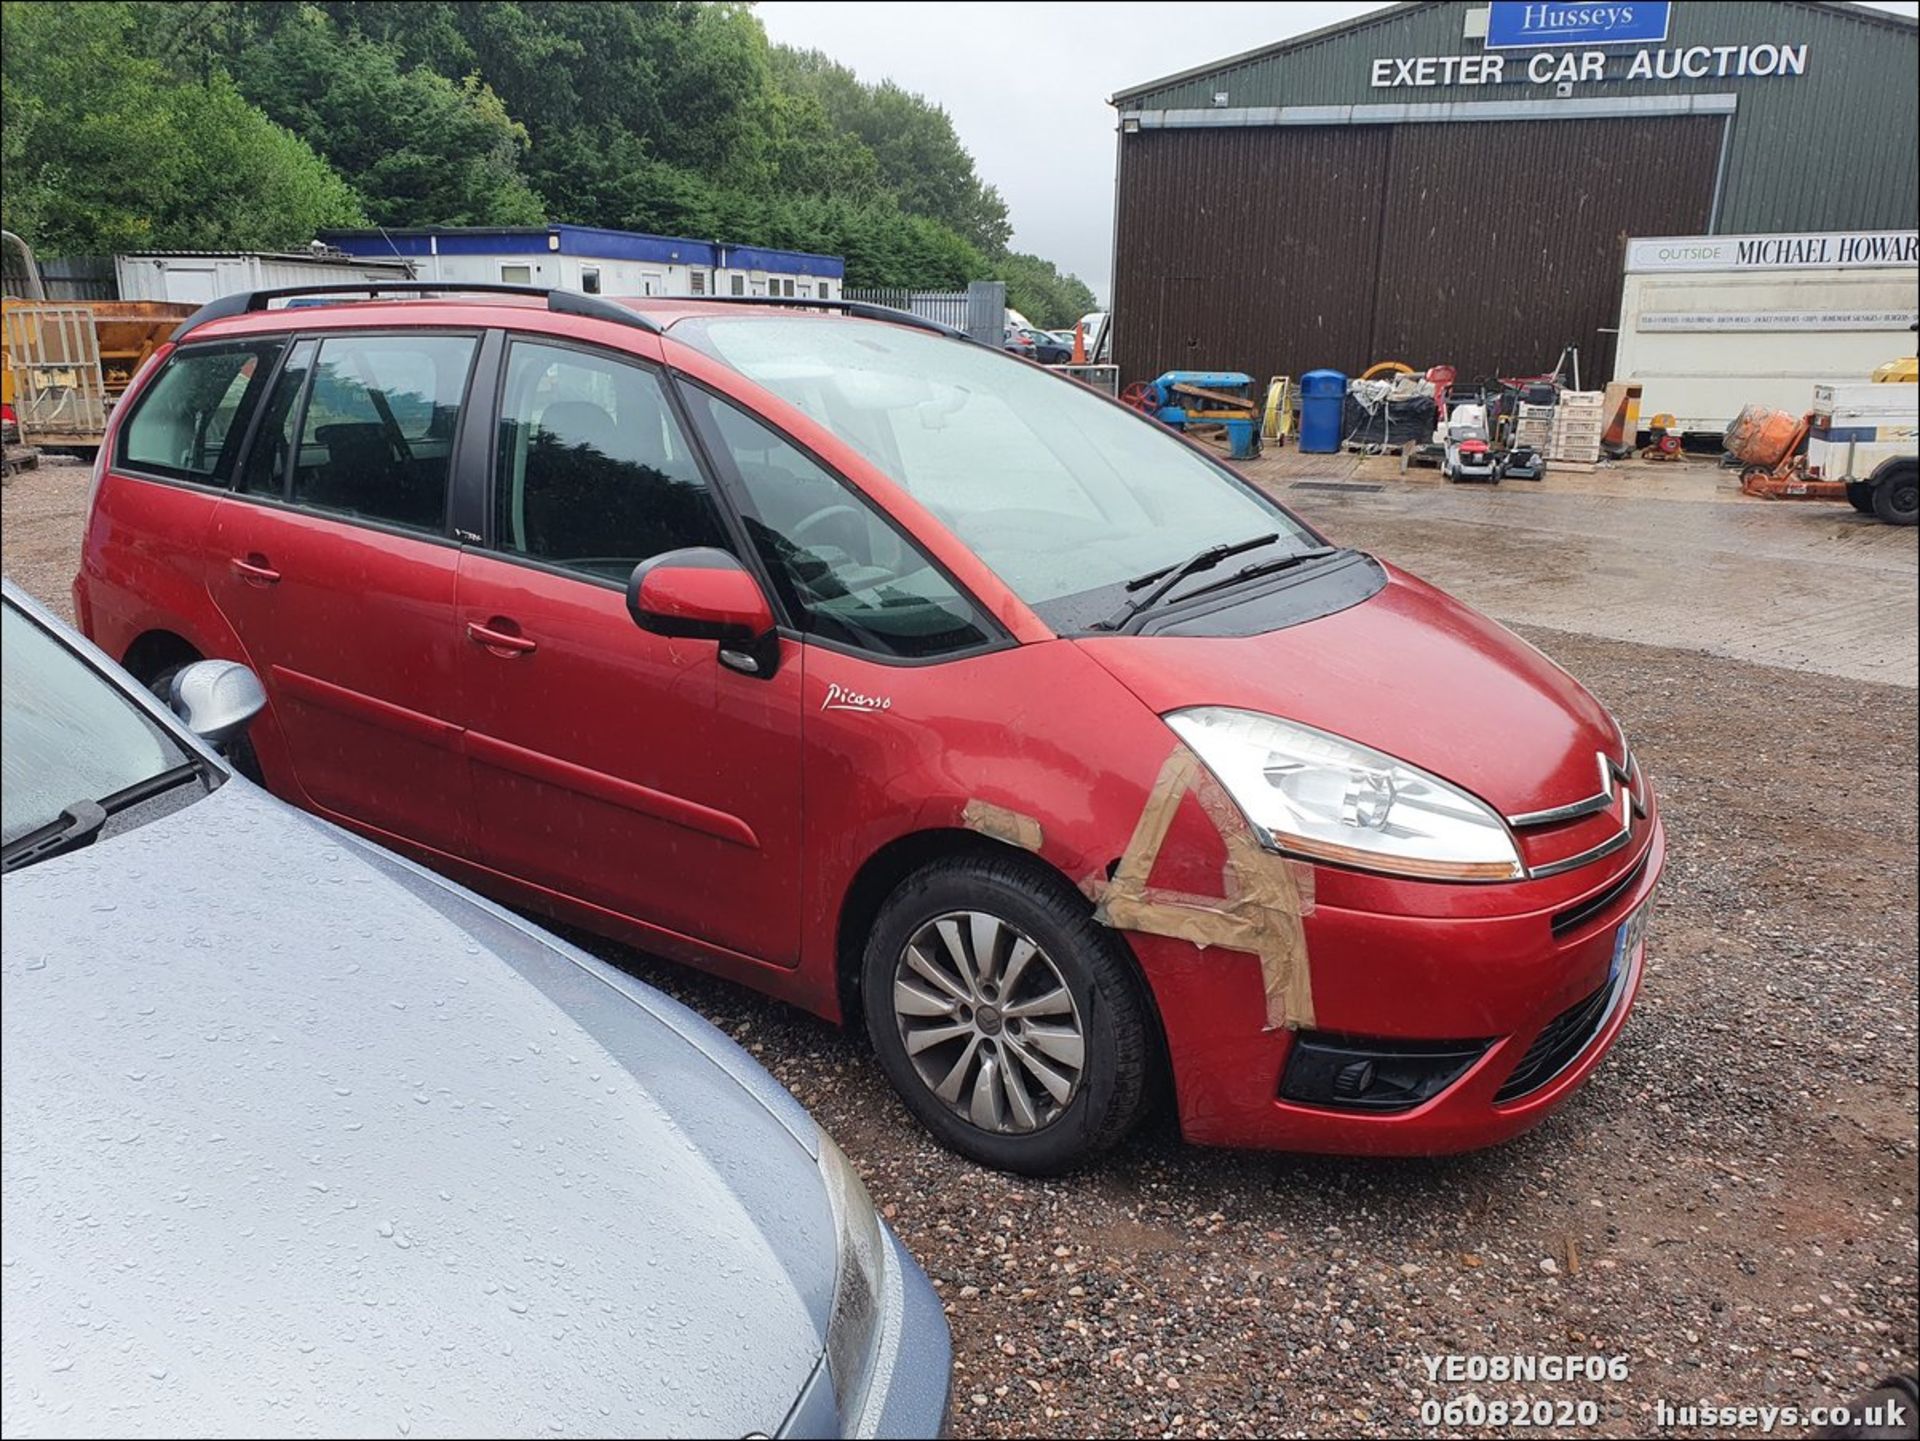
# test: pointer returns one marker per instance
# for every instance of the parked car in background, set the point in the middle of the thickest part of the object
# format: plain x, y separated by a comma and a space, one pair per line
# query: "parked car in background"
863, 665
300, 1134
1031, 344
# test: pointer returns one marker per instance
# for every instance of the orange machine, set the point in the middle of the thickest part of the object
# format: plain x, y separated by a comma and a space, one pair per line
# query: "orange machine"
1767, 444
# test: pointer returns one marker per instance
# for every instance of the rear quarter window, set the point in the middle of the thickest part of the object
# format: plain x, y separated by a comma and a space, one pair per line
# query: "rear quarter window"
191, 421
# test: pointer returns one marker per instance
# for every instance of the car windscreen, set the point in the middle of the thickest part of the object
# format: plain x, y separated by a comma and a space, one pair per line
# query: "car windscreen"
70, 736
1064, 495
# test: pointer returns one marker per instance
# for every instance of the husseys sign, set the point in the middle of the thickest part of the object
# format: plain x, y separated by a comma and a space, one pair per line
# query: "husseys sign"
1566, 40
1521, 24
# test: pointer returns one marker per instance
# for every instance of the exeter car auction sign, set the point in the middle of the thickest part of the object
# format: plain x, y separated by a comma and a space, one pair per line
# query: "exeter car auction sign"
1527, 24
1567, 43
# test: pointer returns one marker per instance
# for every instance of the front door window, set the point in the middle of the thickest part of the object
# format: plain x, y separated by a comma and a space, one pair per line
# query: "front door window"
846, 573
594, 472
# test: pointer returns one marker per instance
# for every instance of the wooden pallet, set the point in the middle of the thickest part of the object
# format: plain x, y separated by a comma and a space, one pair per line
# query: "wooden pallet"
19, 458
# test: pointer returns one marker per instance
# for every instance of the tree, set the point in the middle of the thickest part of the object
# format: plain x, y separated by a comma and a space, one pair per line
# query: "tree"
106, 150
138, 122
1040, 292
420, 149
918, 155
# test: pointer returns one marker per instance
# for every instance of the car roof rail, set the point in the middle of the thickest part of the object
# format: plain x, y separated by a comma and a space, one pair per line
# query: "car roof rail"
559, 302
860, 309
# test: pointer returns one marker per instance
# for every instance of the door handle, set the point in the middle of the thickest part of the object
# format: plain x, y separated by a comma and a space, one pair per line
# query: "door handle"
500, 642
255, 571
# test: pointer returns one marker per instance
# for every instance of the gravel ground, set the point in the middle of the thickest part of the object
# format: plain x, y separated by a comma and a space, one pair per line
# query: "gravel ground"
1730, 1204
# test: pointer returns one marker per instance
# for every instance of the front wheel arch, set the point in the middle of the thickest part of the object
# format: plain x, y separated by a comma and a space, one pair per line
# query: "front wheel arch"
881, 875
156, 651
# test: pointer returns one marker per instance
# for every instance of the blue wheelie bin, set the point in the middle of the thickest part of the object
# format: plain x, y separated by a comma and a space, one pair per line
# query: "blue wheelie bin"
1323, 398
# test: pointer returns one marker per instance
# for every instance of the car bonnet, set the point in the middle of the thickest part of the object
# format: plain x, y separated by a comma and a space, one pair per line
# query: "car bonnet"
299, 1134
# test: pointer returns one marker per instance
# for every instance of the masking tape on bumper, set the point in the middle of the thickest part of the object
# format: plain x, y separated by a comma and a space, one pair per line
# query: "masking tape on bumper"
1263, 895
1002, 824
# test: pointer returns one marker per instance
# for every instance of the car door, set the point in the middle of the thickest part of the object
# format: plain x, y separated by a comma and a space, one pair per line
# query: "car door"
144, 558
631, 772
333, 562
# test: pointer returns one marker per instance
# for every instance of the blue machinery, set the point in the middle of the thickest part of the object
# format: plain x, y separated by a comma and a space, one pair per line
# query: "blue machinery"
1196, 401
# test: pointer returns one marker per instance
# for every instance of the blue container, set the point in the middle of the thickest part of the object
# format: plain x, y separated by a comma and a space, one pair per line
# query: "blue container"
1323, 398
1243, 439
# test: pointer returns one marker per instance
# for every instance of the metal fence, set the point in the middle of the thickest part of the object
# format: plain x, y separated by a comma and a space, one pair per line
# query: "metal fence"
980, 309
79, 277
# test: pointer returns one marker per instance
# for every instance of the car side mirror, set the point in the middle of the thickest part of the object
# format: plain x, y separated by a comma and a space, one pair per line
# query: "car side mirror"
702, 593
215, 699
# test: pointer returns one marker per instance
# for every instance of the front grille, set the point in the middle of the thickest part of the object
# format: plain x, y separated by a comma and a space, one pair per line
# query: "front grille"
1565, 1037
1574, 917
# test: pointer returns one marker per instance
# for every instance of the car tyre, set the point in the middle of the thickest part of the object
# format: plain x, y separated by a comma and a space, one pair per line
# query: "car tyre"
1896, 497
984, 921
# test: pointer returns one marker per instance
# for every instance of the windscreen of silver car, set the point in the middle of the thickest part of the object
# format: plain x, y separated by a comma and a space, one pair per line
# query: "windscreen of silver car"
77, 751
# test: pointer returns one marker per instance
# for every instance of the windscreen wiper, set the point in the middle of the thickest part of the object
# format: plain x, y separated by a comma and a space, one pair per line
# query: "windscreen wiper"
74, 827
1166, 578
79, 824
1264, 567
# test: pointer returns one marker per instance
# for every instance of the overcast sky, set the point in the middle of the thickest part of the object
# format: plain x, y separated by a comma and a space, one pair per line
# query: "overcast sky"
1027, 84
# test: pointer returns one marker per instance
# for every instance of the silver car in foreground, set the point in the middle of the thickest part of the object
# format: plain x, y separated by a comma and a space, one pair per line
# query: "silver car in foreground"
300, 1138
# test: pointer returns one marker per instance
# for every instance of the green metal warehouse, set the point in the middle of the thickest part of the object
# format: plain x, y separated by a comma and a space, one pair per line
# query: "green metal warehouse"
1455, 183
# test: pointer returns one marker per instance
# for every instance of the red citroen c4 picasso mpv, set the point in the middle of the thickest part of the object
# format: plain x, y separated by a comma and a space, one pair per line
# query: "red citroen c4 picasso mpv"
902, 680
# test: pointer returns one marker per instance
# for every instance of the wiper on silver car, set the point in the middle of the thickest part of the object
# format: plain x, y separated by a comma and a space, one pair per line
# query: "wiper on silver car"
1170, 576
1264, 567
79, 824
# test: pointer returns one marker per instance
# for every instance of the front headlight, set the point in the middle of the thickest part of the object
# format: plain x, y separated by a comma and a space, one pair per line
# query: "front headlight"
852, 1329
1317, 795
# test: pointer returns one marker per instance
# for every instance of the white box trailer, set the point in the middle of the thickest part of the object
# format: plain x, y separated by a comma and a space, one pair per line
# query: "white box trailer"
1858, 428
1710, 324
1868, 435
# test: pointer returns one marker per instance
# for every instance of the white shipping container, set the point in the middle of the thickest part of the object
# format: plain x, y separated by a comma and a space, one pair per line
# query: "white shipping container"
195, 277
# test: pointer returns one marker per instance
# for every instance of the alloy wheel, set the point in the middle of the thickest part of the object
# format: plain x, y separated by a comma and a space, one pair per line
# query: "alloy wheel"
988, 1022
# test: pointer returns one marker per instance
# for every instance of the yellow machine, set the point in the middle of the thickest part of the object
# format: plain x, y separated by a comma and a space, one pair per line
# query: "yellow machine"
1276, 422
64, 363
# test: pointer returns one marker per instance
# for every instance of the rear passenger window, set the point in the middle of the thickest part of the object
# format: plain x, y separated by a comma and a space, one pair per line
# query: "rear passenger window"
594, 473
265, 470
190, 422
376, 438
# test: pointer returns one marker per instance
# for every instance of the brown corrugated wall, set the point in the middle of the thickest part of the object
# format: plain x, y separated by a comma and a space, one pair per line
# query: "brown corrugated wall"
1483, 245
1237, 247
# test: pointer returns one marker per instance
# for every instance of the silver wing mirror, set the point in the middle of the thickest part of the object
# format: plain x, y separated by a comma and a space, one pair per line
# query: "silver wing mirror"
215, 699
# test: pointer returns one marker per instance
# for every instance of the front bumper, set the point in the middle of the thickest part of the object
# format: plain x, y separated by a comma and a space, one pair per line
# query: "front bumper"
910, 1391
1503, 981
